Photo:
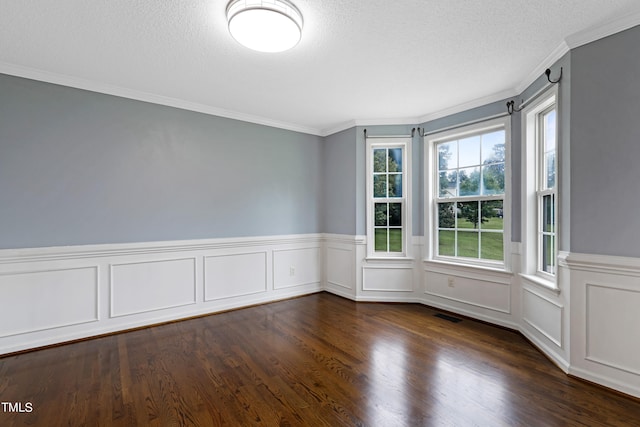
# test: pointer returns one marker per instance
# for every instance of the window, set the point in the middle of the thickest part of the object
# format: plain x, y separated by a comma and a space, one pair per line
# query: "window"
388, 189
539, 165
468, 193
546, 192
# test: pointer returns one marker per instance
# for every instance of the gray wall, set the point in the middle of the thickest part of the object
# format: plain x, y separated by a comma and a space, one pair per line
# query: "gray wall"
539, 87
605, 146
78, 167
339, 184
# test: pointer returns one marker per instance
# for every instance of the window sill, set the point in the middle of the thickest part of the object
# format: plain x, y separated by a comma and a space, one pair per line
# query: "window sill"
484, 267
475, 271
389, 258
541, 282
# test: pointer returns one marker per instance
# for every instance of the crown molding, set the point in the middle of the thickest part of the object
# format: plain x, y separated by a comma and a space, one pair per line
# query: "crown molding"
93, 86
479, 102
573, 41
338, 128
603, 30
538, 71
370, 122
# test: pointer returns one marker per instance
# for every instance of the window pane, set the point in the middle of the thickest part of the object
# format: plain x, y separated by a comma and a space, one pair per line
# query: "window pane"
492, 246
395, 185
550, 131
381, 239
446, 215
468, 214
395, 160
380, 185
395, 240
469, 181
493, 179
446, 243
395, 214
447, 155
469, 151
550, 169
548, 254
380, 214
493, 147
492, 215
471, 168
448, 184
548, 218
380, 160
468, 244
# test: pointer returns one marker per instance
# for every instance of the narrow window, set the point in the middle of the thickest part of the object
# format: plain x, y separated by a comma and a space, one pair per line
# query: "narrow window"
388, 183
540, 195
546, 191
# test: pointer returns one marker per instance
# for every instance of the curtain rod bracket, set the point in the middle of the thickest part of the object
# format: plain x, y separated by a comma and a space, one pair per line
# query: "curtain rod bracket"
511, 107
548, 73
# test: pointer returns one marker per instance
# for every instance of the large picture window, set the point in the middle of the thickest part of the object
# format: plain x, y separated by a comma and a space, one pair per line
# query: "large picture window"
387, 187
469, 190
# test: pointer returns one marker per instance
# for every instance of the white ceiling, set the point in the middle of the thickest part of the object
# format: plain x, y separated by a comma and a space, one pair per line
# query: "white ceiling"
359, 61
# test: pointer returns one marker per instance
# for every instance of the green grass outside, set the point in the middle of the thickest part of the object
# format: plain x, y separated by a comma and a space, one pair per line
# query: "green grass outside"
492, 247
493, 223
395, 240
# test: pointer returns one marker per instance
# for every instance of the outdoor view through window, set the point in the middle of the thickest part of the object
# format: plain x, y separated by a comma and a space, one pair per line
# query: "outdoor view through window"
470, 196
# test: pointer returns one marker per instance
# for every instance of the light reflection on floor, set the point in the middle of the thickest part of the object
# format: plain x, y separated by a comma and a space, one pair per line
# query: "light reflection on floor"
456, 385
464, 386
387, 392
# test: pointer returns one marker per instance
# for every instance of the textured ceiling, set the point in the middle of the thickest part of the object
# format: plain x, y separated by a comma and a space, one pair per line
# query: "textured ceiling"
359, 61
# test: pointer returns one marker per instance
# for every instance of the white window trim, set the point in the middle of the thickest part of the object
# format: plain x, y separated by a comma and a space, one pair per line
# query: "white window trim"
407, 235
431, 183
531, 177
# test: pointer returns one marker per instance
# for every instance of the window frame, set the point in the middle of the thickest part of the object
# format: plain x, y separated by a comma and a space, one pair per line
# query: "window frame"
373, 143
534, 189
432, 198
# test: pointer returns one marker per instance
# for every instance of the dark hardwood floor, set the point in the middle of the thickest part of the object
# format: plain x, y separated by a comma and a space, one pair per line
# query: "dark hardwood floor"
318, 360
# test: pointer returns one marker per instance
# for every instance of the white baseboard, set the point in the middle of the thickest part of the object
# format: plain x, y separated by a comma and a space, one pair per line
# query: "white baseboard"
629, 387
550, 352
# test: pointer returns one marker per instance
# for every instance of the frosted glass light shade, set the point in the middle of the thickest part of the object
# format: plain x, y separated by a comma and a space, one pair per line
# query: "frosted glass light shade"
265, 25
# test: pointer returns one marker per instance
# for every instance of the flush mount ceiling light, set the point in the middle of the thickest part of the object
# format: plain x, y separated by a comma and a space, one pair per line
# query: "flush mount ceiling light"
265, 25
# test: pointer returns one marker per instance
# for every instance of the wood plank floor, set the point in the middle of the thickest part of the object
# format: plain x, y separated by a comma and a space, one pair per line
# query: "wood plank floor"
319, 360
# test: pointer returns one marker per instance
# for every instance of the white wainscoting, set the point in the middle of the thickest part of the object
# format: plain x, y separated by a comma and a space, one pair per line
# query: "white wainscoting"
52, 295
543, 314
605, 320
387, 278
475, 292
340, 267
605, 342
76, 290
138, 287
235, 275
340, 263
296, 267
